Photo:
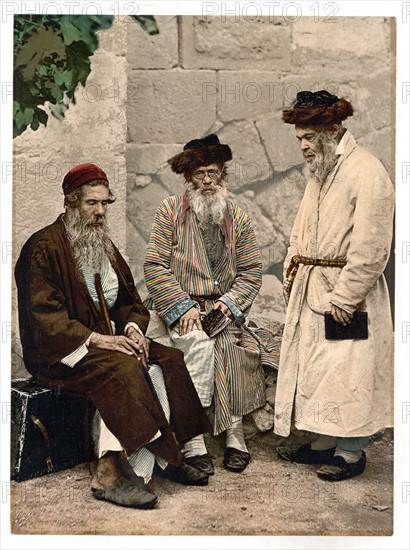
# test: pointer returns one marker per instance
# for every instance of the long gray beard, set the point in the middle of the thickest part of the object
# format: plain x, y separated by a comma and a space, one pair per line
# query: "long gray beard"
208, 209
91, 247
325, 160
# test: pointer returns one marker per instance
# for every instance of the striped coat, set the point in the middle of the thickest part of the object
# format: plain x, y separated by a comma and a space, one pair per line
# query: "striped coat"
177, 267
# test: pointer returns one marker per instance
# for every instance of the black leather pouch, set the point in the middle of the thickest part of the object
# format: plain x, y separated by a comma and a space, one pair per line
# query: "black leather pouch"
356, 330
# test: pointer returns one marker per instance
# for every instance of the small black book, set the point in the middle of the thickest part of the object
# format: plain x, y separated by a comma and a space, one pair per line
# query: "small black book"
214, 322
356, 330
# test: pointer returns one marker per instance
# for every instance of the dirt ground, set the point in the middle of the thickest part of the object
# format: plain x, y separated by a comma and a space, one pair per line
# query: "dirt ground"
271, 497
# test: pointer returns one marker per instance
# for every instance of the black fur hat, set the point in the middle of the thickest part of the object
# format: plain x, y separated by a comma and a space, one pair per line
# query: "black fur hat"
317, 108
200, 152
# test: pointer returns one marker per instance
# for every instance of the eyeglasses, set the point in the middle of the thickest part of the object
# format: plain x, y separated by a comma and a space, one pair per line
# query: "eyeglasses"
213, 174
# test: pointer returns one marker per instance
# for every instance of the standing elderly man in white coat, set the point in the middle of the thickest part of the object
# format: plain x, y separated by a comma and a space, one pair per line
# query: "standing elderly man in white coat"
336, 385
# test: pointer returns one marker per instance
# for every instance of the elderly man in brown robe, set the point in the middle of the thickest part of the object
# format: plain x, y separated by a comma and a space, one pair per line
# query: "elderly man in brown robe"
338, 385
82, 326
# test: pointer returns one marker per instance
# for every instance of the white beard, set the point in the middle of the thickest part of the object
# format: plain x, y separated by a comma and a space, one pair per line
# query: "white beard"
209, 209
91, 246
325, 160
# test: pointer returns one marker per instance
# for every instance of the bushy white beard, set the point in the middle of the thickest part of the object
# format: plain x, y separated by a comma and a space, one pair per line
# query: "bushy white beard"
91, 246
325, 160
209, 209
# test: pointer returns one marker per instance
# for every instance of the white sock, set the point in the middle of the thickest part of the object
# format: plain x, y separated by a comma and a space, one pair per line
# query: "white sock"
349, 456
234, 435
323, 442
194, 447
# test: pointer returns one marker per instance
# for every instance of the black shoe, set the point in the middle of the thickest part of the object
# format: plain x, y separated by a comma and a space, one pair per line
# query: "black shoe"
304, 454
339, 469
202, 463
185, 474
236, 460
126, 493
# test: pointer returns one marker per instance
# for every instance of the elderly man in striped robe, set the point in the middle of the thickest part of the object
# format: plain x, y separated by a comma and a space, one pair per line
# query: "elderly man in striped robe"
202, 255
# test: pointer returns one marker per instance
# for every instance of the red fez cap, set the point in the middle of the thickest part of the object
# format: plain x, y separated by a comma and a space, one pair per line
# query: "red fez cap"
82, 174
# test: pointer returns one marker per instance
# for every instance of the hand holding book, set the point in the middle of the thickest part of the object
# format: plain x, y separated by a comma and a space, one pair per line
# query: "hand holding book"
215, 321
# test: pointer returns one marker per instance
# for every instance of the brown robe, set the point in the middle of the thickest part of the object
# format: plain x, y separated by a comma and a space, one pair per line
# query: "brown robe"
57, 315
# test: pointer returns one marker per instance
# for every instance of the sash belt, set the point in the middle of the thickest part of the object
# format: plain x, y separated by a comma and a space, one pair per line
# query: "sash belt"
297, 260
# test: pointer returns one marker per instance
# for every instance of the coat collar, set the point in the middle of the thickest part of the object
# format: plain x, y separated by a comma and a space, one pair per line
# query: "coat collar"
345, 147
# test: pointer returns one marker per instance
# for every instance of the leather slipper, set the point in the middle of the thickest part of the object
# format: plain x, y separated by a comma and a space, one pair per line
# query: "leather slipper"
304, 454
339, 469
202, 463
184, 474
125, 493
236, 460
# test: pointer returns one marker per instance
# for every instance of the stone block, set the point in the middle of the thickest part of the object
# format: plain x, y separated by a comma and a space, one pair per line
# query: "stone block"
280, 144
246, 94
149, 158
280, 201
263, 418
170, 106
377, 96
269, 302
114, 39
235, 43
134, 254
381, 145
173, 183
271, 243
159, 51
270, 395
250, 163
344, 49
142, 205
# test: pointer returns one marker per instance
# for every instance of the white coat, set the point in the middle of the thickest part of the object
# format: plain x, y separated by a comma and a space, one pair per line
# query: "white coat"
340, 388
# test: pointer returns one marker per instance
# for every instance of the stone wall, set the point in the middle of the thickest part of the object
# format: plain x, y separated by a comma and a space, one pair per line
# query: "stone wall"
234, 76
148, 95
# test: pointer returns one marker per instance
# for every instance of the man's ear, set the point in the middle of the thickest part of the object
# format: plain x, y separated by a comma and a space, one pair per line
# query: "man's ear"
335, 130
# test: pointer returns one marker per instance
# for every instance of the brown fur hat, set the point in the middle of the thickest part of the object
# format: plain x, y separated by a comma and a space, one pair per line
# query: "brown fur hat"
318, 108
200, 152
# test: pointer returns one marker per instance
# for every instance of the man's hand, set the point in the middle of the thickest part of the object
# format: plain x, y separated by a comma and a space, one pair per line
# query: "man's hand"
224, 308
122, 344
141, 342
189, 320
340, 315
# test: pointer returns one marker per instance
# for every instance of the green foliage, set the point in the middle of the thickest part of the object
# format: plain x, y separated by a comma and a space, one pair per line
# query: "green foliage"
147, 22
51, 57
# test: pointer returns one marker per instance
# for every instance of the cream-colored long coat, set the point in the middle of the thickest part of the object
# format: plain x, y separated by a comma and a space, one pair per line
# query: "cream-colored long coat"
341, 388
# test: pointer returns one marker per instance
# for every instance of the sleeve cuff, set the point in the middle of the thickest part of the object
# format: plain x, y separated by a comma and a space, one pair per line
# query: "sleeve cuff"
347, 310
236, 312
179, 309
75, 356
134, 326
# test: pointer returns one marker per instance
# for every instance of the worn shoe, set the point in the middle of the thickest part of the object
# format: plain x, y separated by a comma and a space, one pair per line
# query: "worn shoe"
202, 463
304, 454
339, 469
184, 474
236, 460
126, 493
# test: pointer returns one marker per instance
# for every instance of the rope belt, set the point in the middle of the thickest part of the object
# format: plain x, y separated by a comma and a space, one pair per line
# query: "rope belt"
294, 266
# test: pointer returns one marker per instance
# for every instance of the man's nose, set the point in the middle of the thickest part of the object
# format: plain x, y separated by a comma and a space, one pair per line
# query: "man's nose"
207, 178
304, 144
99, 209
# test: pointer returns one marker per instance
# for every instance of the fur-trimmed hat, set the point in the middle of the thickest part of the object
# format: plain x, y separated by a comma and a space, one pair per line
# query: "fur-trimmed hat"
317, 108
200, 152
